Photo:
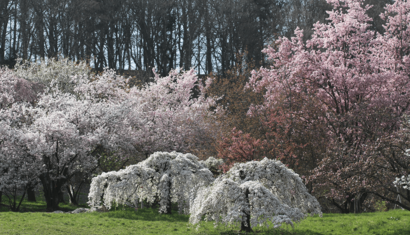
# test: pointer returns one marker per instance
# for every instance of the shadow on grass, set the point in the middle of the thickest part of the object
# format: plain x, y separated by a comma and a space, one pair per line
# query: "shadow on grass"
306, 232
146, 214
274, 232
38, 206
401, 231
363, 214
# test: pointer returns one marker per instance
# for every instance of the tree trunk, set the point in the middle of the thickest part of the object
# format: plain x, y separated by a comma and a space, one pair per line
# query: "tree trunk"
31, 195
51, 191
169, 209
246, 222
24, 28
72, 195
3, 39
61, 197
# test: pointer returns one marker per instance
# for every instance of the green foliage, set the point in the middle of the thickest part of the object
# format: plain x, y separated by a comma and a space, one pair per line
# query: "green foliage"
380, 206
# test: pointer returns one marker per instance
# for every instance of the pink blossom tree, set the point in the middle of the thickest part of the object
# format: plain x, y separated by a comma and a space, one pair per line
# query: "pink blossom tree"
238, 147
358, 81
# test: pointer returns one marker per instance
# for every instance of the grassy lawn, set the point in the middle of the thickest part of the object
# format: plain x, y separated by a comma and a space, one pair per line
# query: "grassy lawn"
148, 221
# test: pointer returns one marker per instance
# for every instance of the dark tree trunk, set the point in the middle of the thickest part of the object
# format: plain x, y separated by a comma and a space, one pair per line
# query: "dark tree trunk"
246, 227
347, 206
3, 39
51, 189
169, 209
61, 197
24, 28
31, 195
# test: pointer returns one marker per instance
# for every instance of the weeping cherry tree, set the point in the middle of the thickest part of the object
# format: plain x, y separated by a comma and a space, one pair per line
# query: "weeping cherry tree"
252, 194
171, 177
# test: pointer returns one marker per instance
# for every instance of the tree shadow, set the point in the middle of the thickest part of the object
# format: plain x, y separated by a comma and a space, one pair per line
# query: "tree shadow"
146, 214
401, 231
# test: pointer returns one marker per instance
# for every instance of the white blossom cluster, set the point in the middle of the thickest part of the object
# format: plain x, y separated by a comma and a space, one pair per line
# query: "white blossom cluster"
14, 172
275, 193
280, 180
403, 182
14, 89
54, 71
226, 202
212, 164
170, 176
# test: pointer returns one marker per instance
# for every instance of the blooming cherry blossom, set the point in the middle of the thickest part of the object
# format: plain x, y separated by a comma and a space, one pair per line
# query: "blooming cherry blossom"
347, 89
254, 193
63, 129
171, 177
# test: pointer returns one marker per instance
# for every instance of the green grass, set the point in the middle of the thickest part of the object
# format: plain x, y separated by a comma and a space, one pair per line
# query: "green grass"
390, 222
148, 221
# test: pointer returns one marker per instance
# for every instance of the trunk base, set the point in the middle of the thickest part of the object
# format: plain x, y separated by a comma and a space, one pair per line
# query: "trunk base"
31, 195
246, 229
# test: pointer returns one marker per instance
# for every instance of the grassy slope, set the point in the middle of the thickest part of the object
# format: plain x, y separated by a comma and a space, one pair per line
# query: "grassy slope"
148, 221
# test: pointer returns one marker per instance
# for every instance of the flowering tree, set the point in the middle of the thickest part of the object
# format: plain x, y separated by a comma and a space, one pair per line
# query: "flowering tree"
66, 127
282, 140
52, 70
60, 137
163, 116
14, 90
16, 168
238, 147
171, 177
50, 138
353, 85
253, 193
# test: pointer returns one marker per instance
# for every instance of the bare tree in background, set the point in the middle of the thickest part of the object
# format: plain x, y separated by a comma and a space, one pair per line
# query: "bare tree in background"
142, 34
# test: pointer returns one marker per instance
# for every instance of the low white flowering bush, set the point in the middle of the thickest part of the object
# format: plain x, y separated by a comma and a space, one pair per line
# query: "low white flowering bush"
170, 176
254, 193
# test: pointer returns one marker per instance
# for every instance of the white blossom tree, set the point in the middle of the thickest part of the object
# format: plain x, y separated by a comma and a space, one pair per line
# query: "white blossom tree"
171, 177
254, 193
50, 70
15, 174
64, 128
164, 116
14, 89
52, 132
17, 171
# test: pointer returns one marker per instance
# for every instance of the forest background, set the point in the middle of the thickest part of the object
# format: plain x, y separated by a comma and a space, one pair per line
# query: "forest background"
207, 35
